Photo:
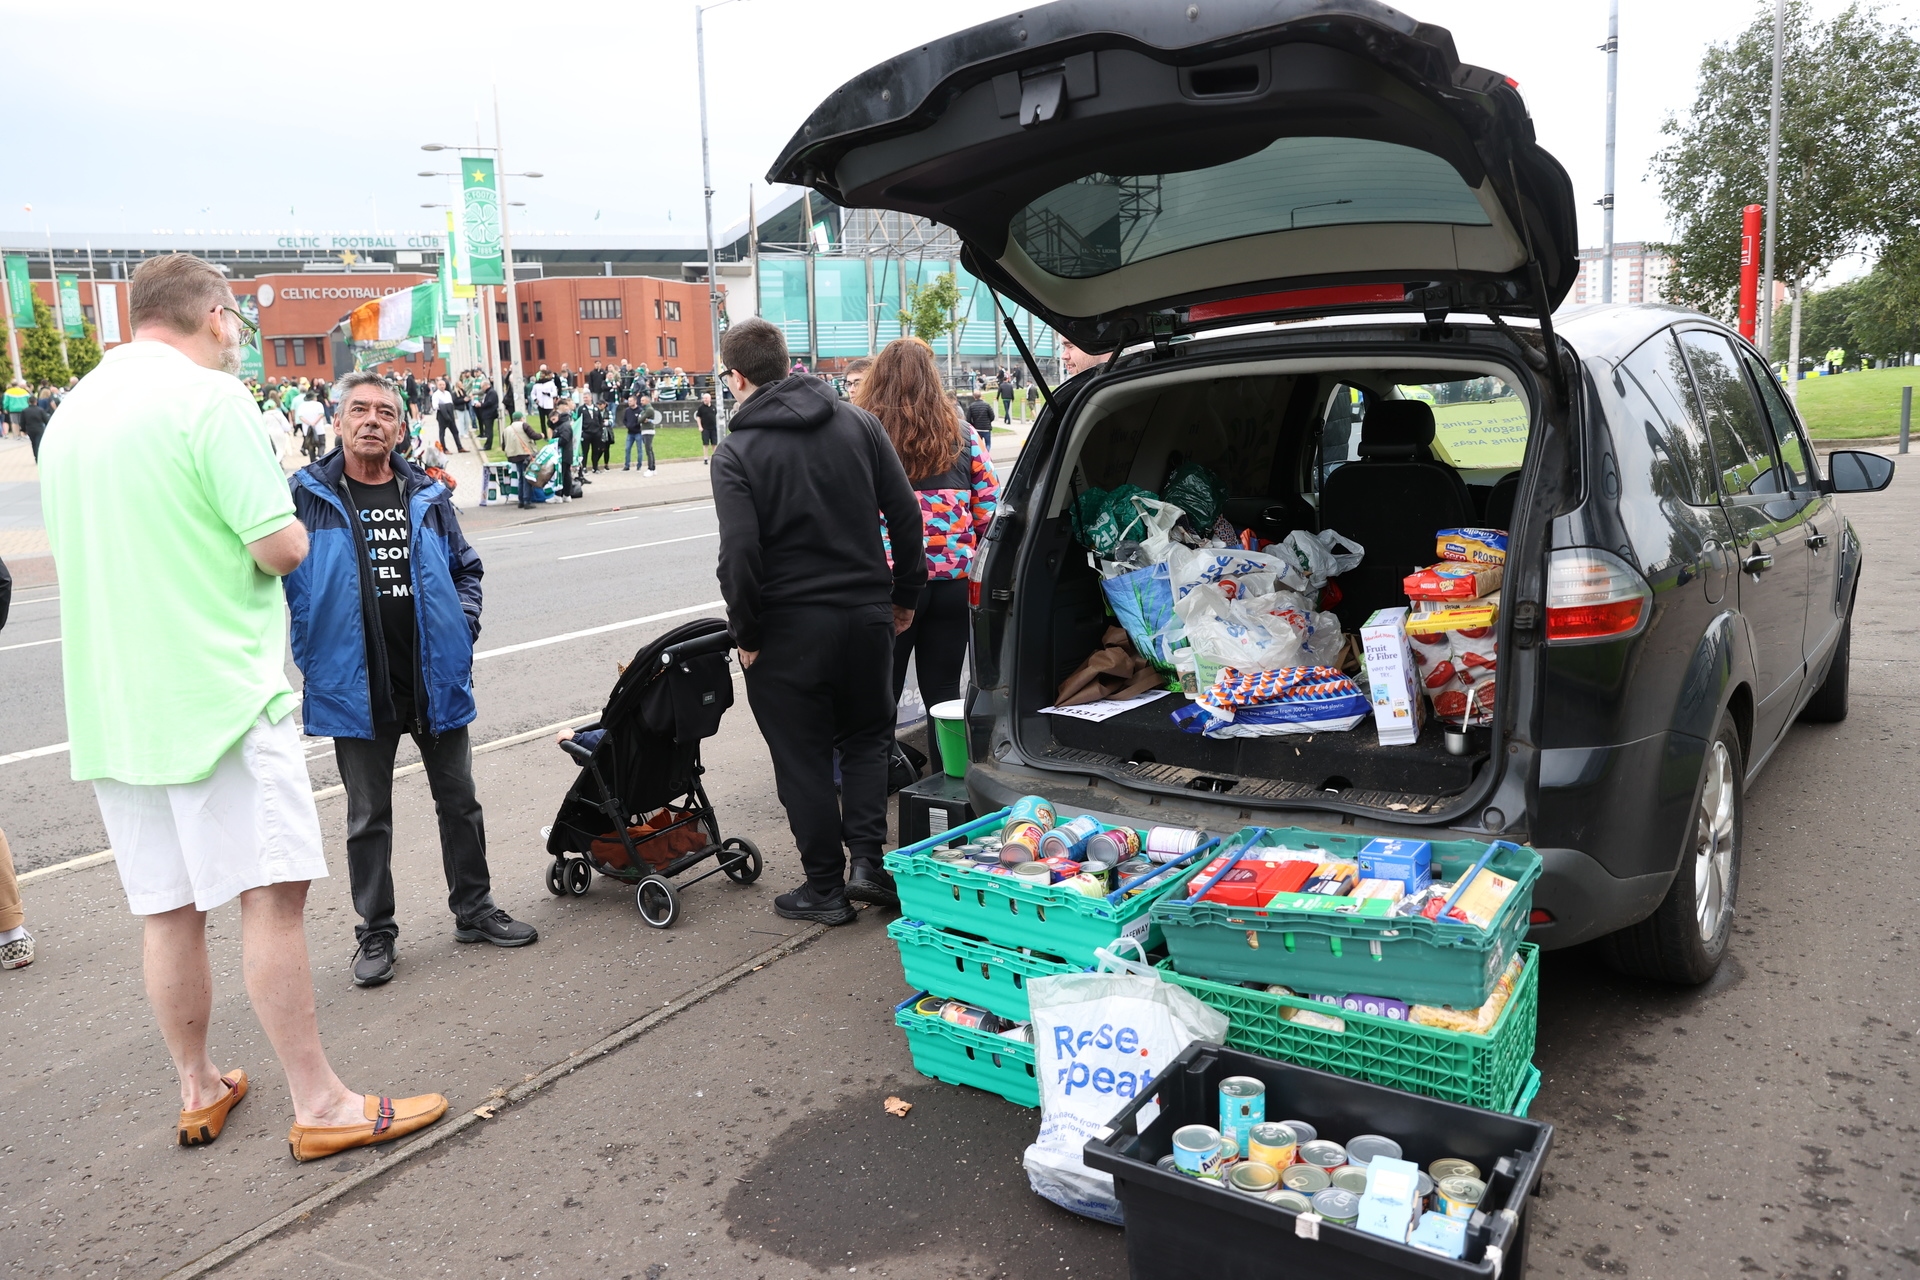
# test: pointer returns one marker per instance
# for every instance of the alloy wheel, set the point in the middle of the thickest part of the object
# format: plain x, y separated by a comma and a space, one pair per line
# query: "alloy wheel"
1713, 843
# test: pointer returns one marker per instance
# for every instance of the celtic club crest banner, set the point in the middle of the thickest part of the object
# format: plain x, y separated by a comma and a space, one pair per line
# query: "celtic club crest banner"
20, 291
481, 206
72, 314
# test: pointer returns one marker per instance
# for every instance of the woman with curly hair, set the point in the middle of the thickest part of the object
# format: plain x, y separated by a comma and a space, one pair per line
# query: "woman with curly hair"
951, 472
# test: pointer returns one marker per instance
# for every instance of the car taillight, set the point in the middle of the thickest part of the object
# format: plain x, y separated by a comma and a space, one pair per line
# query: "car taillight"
1537, 916
1594, 595
973, 593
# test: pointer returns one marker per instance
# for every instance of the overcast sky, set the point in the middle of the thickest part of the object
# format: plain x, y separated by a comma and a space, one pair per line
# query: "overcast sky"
130, 117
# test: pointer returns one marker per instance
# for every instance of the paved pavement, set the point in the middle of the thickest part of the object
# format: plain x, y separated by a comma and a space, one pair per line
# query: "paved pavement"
1761, 1125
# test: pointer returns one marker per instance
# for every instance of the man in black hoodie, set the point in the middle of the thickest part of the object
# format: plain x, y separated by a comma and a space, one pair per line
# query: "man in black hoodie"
800, 486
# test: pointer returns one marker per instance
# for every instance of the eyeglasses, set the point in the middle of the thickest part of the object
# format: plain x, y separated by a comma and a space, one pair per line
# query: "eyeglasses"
249, 331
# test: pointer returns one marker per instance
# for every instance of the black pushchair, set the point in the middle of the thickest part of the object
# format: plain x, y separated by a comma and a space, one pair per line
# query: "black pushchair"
638, 812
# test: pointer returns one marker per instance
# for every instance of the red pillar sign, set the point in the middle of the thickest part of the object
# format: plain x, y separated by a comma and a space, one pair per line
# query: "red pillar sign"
1750, 270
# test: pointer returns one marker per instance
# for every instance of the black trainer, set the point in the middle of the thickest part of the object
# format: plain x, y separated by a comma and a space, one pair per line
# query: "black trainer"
373, 961
497, 927
806, 903
870, 882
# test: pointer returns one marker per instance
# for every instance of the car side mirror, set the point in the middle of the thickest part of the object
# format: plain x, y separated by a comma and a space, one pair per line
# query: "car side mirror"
1855, 471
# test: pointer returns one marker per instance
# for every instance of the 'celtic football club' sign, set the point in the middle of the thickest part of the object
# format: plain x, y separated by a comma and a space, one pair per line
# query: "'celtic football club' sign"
482, 222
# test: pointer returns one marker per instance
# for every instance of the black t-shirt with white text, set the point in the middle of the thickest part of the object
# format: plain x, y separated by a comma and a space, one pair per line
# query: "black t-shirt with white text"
383, 515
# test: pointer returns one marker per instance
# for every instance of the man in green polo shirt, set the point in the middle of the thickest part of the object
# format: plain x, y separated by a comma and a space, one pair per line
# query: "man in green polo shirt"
171, 527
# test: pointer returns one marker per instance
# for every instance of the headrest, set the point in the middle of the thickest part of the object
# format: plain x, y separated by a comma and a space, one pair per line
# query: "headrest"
1397, 429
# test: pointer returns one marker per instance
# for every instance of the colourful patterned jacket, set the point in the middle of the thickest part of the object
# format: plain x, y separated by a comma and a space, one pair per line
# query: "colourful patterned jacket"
956, 507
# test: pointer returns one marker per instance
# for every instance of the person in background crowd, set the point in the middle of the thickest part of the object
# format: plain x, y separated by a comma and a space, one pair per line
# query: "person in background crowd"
412, 385
444, 416
597, 381
856, 374
563, 435
278, 429
709, 421
544, 394
813, 606
979, 416
642, 421
462, 409
311, 415
367, 685
596, 433
486, 412
16, 944
34, 419
1033, 401
947, 464
14, 404
517, 442
1006, 398
166, 517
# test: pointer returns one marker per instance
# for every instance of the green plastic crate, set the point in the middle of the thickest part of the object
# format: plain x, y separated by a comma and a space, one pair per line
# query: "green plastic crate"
960, 1055
1481, 1071
1528, 1091
963, 968
1406, 958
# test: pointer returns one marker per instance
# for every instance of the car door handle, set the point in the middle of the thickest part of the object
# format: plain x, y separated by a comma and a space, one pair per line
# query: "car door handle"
1816, 539
1756, 562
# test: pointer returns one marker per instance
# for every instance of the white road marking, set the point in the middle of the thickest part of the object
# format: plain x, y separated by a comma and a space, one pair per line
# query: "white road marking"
701, 506
640, 546
36, 753
34, 643
597, 631
595, 524
324, 793
495, 537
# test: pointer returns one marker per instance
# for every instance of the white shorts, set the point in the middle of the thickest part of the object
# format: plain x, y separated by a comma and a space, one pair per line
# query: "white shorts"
251, 822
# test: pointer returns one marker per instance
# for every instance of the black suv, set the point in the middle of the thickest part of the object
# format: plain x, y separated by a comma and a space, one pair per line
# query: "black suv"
1326, 255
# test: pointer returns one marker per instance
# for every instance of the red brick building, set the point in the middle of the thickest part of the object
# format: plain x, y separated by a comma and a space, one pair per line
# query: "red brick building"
580, 321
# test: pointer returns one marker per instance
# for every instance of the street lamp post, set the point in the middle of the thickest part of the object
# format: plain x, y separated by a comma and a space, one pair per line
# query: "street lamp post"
706, 181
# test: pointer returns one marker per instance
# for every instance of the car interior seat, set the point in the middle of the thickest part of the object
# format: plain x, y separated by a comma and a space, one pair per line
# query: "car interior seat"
1391, 500
1500, 501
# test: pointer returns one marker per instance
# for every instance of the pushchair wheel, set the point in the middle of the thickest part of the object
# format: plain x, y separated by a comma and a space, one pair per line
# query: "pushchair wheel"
659, 904
557, 878
579, 877
747, 869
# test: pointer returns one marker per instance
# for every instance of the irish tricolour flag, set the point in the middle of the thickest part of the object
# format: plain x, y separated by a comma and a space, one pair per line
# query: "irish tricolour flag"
410, 313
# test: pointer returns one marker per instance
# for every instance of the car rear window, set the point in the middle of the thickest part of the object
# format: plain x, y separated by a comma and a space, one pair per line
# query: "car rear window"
1104, 221
1479, 424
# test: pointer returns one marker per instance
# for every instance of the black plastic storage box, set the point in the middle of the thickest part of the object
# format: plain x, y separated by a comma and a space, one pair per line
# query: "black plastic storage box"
1180, 1228
932, 805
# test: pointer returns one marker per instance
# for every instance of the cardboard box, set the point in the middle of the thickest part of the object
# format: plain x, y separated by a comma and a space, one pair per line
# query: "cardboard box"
1459, 615
1452, 581
1409, 861
1331, 905
1397, 706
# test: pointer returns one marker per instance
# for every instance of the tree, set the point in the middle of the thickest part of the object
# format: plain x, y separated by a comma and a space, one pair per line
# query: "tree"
83, 353
40, 356
929, 313
1849, 150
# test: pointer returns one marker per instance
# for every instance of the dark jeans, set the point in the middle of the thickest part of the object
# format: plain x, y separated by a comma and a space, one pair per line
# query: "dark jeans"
486, 434
641, 443
453, 427
521, 465
33, 438
600, 452
366, 770
937, 642
821, 683
566, 466
1006, 408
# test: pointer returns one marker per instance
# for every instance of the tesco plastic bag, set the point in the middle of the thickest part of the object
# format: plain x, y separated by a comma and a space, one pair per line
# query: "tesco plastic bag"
1101, 1039
1258, 571
1323, 555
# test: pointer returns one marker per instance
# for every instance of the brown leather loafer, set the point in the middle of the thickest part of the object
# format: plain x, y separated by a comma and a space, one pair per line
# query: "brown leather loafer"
197, 1128
387, 1119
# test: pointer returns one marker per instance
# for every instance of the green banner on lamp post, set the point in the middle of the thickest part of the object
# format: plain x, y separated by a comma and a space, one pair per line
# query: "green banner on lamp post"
480, 221
20, 291
72, 317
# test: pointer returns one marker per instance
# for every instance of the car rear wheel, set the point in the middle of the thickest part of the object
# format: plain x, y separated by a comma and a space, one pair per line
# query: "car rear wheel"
1686, 937
1828, 705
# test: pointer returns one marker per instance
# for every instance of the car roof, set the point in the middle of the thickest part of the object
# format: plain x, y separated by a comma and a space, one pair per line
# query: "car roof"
1611, 330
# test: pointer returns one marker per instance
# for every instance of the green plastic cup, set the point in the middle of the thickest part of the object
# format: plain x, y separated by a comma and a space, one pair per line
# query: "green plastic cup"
950, 733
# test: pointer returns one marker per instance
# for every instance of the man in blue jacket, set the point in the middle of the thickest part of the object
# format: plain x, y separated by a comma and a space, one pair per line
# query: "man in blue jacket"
384, 637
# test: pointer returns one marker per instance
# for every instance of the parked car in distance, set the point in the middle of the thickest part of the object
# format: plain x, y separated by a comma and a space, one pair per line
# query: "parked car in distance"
1327, 255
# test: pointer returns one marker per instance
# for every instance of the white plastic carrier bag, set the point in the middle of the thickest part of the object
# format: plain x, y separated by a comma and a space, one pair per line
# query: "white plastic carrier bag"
1100, 1040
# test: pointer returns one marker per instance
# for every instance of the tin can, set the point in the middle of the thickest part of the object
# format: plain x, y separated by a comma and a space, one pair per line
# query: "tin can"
1035, 809
1196, 1151
1065, 840
961, 1014
1290, 1200
1135, 866
1336, 1205
1301, 1130
960, 856
1273, 1144
1229, 1153
929, 1006
1164, 844
1091, 886
1362, 1148
1423, 1193
1322, 1154
1022, 844
1305, 1179
1167, 1162
983, 856
1062, 868
1116, 844
1458, 1197
1243, 1104
1351, 1177
1453, 1168
1251, 1179
1033, 873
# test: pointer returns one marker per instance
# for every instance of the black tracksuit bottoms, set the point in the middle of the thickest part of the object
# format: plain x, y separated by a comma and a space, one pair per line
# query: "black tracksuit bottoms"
824, 680
937, 643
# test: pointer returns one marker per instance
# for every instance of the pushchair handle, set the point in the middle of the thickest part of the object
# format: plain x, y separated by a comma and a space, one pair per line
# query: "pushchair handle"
718, 642
578, 752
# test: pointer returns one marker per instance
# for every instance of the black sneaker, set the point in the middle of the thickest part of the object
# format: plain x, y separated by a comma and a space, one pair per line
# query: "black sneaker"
871, 883
373, 962
807, 903
497, 927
